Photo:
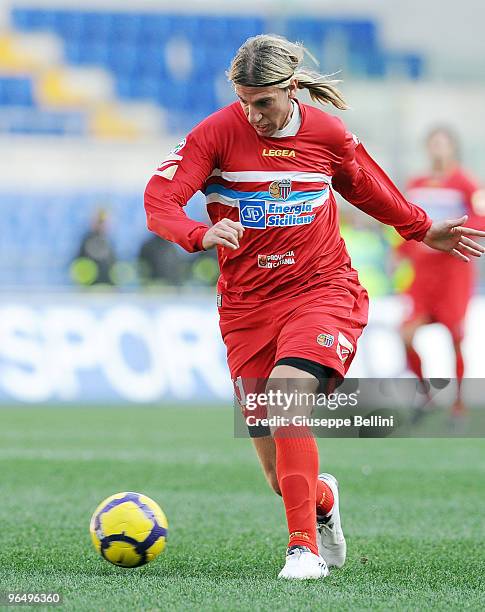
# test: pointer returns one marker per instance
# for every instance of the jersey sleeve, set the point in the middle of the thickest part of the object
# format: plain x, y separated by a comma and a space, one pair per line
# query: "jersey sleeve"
178, 177
363, 183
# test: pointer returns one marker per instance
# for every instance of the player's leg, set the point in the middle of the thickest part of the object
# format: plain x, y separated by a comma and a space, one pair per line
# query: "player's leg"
321, 330
458, 409
296, 464
296, 453
266, 451
408, 331
451, 312
290, 463
250, 338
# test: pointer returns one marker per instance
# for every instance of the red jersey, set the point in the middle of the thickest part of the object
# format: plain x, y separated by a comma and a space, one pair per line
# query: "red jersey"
442, 285
280, 189
449, 197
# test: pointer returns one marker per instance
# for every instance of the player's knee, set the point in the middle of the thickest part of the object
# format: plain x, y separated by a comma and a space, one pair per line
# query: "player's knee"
291, 397
407, 334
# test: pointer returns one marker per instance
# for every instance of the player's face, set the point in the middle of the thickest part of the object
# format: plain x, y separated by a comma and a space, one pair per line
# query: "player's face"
441, 148
268, 109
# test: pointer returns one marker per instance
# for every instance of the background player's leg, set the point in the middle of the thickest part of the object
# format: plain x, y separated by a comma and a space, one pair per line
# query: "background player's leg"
408, 331
458, 407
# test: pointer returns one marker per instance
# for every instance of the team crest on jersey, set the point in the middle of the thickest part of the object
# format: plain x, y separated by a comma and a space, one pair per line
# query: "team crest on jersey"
280, 190
325, 340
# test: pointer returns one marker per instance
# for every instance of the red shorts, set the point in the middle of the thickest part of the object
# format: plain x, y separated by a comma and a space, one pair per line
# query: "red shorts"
322, 324
441, 292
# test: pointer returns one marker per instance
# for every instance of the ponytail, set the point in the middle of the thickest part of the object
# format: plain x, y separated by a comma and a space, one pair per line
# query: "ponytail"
270, 60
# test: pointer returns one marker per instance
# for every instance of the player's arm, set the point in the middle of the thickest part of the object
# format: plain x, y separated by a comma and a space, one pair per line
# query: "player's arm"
178, 177
361, 181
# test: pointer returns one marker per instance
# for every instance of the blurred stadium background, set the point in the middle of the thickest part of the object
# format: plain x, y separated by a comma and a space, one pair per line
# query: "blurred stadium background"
92, 97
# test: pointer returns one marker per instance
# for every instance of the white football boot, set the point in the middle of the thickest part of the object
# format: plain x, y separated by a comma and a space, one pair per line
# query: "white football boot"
330, 538
302, 564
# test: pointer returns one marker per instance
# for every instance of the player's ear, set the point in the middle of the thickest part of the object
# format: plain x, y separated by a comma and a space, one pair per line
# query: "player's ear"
292, 89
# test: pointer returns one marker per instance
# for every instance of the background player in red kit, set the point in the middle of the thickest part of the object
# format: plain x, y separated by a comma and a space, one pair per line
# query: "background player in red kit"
442, 285
291, 306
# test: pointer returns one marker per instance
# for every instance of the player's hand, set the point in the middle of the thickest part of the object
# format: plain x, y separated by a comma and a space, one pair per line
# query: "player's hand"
224, 233
452, 237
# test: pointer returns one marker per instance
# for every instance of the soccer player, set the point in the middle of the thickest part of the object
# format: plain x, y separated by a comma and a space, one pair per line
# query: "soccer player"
442, 286
290, 304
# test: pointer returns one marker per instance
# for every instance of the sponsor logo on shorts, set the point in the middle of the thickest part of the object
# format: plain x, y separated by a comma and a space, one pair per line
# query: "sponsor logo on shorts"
276, 260
344, 347
280, 190
325, 339
219, 300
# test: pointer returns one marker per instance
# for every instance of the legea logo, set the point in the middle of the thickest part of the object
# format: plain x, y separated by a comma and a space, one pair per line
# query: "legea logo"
278, 153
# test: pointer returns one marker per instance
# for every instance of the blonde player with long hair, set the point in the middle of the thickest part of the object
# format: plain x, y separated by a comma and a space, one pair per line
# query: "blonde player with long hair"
291, 306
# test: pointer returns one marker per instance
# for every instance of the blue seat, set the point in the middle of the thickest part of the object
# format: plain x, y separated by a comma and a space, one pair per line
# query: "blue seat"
241, 28
73, 51
151, 61
304, 29
123, 59
32, 19
154, 28
174, 94
96, 26
404, 65
213, 31
126, 27
184, 25
94, 52
214, 58
16, 91
143, 87
132, 45
67, 24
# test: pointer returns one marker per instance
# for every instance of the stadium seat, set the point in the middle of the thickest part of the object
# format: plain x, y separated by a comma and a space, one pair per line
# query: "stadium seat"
16, 91
133, 46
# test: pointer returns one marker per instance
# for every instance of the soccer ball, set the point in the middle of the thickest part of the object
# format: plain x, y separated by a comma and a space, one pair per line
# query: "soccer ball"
129, 529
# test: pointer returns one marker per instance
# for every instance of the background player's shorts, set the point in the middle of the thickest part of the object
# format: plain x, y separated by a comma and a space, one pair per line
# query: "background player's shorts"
441, 292
321, 324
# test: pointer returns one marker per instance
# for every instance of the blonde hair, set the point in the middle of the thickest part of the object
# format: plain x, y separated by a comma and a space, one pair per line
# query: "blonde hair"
269, 59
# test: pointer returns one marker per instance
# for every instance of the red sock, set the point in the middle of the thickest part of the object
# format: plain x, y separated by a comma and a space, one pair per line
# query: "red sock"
414, 362
458, 407
297, 472
460, 365
324, 498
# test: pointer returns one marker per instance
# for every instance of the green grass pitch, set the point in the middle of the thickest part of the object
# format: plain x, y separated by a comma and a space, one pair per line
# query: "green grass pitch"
412, 512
